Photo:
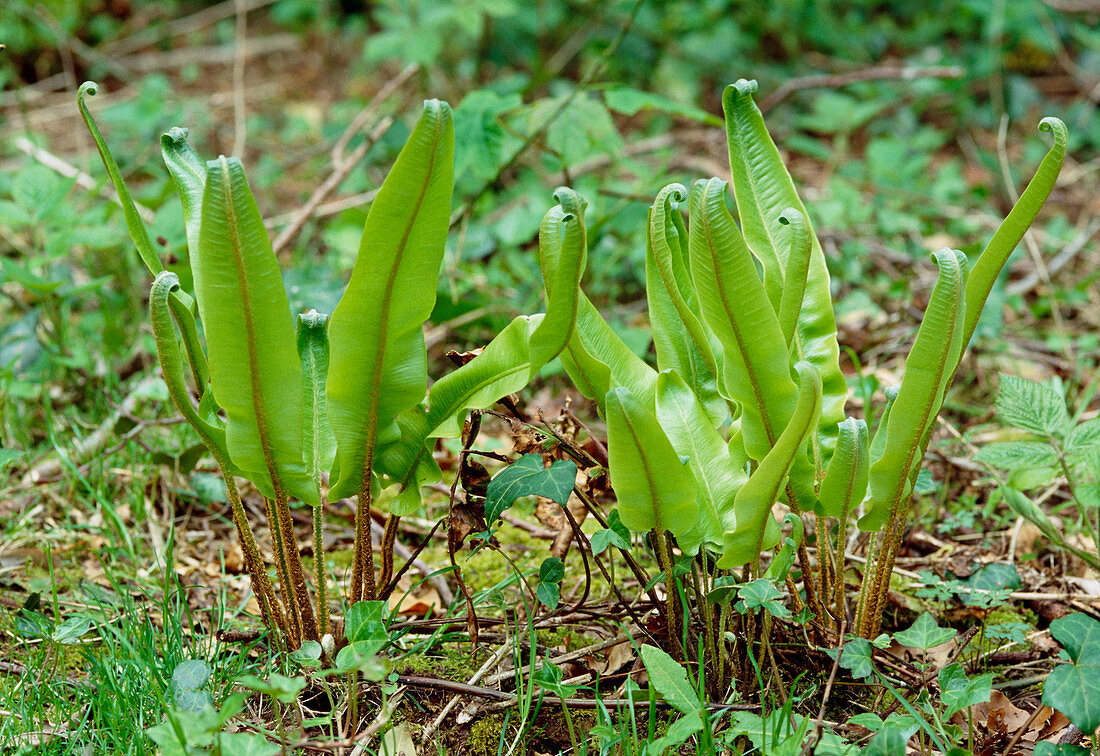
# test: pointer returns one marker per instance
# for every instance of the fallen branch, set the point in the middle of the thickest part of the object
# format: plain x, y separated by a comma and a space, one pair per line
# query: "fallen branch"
876, 73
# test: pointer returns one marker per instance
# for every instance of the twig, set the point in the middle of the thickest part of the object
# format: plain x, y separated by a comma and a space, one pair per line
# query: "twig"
575, 703
50, 468
207, 16
1059, 261
875, 73
329, 184
461, 688
210, 55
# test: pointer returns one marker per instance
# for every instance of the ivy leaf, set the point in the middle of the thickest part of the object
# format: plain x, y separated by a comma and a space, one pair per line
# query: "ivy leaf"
761, 594
925, 633
364, 623
1074, 689
549, 594
991, 584
247, 744
1032, 406
856, 658
958, 692
551, 572
1045, 748
888, 742
307, 655
190, 675
606, 537
527, 477
670, 679
549, 677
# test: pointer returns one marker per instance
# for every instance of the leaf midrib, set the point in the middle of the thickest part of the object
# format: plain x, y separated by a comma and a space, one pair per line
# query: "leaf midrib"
375, 385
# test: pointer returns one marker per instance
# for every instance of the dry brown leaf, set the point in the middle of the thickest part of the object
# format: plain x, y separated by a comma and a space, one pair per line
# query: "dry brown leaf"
397, 741
998, 715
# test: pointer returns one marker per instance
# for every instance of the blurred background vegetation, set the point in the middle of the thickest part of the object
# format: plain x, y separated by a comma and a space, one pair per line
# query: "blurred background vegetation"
909, 126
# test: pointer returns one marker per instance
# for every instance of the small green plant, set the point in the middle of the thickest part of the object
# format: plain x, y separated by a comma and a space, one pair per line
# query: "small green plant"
1050, 444
928, 716
1074, 688
745, 409
326, 407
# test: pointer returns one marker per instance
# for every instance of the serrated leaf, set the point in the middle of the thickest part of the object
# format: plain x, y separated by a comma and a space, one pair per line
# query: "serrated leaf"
925, 633
1014, 455
670, 679
1031, 406
1083, 436
527, 477
1074, 688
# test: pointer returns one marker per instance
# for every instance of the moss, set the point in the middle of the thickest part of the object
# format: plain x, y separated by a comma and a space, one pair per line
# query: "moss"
484, 737
448, 661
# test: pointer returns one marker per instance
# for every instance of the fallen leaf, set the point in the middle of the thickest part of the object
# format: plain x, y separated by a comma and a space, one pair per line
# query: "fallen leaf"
397, 741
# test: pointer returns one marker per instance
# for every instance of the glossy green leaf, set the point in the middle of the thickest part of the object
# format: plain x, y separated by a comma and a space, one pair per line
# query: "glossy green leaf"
680, 341
783, 560
510, 361
924, 633
1012, 228
794, 277
1074, 688
171, 362
134, 224
653, 487
928, 368
845, 482
756, 528
734, 305
527, 477
764, 190
378, 361
717, 479
254, 367
318, 443
189, 175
